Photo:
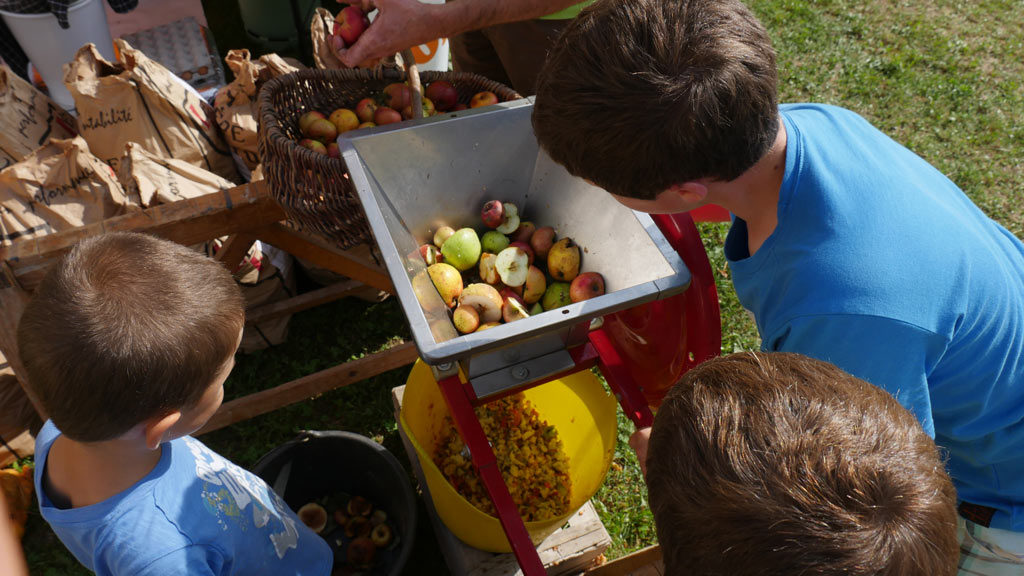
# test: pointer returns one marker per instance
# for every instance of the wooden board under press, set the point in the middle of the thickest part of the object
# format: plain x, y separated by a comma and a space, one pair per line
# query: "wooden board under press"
570, 550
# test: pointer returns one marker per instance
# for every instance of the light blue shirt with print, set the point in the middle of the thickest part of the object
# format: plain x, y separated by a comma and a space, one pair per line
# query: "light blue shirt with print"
195, 514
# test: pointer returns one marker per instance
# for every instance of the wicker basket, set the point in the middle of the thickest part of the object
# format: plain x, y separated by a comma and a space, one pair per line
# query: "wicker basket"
314, 189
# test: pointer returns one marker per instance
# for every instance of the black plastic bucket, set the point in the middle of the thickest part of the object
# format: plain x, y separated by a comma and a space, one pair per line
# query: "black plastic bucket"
318, 464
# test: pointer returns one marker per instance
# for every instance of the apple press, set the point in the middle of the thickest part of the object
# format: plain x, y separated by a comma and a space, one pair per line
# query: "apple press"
658, 318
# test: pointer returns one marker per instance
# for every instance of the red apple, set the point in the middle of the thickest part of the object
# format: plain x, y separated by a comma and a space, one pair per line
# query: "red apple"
483, 99
508, 292
536, 284
513, 309
541, 241
431, 254
323, 130
385, 115
586, 286
360, 552
526, 248
459, 106
397, 96
428, 110
333, 151
306, 119
314, 145
350, 23
365, 109
524, 232
493, 214
444, 95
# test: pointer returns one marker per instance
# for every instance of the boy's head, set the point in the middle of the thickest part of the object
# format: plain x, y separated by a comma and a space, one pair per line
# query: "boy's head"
638, 96
781, 464
126, 328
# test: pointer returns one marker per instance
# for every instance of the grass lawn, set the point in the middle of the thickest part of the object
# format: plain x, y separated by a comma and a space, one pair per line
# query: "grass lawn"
943, 77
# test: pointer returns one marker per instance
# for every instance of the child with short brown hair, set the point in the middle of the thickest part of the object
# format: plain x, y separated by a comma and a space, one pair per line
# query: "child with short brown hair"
844, 245
127, 343
775, 463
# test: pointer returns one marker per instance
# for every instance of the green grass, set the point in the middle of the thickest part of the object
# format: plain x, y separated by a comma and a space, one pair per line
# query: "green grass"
943, 77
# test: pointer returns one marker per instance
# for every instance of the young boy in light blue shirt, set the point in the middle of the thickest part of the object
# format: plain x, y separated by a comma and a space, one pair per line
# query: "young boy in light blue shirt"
127, 343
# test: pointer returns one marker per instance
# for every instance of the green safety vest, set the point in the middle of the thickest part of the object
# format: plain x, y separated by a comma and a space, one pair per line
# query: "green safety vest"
570, 12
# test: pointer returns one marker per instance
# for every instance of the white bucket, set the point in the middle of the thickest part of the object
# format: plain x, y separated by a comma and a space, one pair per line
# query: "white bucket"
434, 54
49, 47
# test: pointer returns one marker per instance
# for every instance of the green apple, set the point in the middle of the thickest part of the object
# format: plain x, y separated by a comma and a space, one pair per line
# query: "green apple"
494, 241
556, 296
462, 249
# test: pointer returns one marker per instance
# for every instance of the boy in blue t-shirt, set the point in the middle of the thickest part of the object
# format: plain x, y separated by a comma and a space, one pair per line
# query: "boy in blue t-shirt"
845, 246
127, 343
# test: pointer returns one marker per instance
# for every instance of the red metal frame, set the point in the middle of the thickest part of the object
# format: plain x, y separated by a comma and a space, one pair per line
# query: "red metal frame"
679, 332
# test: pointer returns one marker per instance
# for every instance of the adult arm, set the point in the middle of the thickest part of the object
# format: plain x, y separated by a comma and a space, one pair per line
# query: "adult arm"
892, 355
401, 24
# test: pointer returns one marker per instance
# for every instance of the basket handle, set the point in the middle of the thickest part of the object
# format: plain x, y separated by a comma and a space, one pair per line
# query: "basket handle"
412, 71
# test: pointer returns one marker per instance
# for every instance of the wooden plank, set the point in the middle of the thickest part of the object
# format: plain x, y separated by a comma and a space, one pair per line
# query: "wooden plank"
234, 249
187, 222
645, 562
13, 299
320, 253
569, 550
308, 386
302, 302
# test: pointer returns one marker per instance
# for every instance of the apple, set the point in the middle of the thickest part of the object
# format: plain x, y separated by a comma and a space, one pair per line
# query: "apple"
466, 319
513, 264
493, 241
448, 282
381, 535
564, 260
585, 286
397, 96
359, 506
462, 249
536, 284
428, 110
524, 232
385, 115
536, 309
332, 150
340, 517
360, 552
314, 145
525, 248
350, 23
488, 326
358, 526
460, 106
513, 310
431, 254
556, 296
541, 241
323, 130
314, 516
365, 109
510, 218
344, 120
483, 99
508, 292
365, 125
306, 119
444, 95
443, 233
488, 273
378, 517
485, 299
493, 214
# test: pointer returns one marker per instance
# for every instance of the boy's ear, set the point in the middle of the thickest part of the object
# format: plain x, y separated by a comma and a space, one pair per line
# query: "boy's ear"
158, 426
691, 192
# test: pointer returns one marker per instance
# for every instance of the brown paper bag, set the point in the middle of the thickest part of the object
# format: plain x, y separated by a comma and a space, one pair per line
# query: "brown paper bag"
320, 30
28, 118
58, 187
237, 110
138, 100
155, 180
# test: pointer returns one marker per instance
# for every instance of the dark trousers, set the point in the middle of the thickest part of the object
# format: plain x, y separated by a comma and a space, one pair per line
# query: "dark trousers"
511, 54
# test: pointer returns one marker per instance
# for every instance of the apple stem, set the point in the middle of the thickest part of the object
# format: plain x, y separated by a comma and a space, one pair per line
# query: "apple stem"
413, 73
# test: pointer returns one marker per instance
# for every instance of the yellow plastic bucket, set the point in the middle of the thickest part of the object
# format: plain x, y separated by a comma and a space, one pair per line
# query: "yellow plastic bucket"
578, 406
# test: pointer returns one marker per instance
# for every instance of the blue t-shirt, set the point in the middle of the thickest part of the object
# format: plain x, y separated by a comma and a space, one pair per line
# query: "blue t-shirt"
884, 267
195, 514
